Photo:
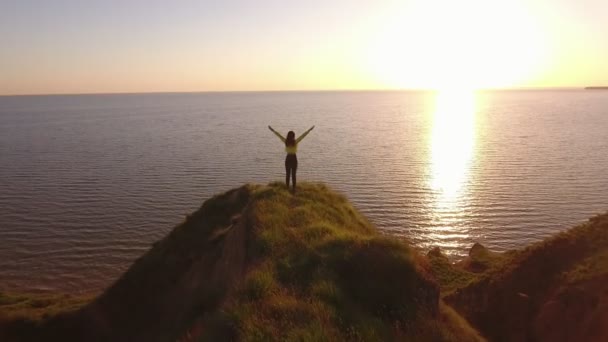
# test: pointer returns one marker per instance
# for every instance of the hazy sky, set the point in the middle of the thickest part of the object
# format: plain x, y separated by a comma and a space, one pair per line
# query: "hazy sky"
137, 46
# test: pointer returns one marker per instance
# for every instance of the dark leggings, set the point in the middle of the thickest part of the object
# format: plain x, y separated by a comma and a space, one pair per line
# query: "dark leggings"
291, 165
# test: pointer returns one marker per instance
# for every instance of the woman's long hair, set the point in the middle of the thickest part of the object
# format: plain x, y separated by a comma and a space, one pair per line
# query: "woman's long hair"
291, 139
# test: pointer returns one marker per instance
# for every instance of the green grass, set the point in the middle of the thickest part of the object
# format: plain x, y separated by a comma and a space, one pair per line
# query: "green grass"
449, 276
259, 263
592, 267
39, 306
480, 262
323, 273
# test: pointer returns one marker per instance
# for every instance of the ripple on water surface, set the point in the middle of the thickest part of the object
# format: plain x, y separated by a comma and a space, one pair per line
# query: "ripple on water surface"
90, 182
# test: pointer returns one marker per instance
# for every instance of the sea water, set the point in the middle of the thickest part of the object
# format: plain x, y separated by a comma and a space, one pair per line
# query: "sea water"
89, 182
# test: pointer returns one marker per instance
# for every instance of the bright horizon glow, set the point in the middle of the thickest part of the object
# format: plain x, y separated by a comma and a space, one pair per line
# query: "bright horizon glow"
113, 46
469, 44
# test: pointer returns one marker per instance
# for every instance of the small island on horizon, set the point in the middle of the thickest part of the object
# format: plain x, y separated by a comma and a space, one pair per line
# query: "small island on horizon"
597, 88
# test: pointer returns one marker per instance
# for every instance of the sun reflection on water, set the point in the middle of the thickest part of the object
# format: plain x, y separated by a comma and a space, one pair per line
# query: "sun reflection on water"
452, 143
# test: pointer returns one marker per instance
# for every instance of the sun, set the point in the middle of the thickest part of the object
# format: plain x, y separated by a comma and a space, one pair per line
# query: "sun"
466, 44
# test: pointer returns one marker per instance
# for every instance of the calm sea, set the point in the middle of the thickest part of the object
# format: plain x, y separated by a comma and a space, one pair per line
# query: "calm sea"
89, 182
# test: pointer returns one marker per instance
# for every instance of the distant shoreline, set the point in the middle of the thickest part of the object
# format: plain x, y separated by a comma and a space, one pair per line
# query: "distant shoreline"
596, 88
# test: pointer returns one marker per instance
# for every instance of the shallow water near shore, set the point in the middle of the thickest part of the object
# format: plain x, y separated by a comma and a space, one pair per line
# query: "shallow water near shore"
89, 182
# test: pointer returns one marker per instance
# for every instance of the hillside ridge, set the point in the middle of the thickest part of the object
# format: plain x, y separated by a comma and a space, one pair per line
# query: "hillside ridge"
260, 263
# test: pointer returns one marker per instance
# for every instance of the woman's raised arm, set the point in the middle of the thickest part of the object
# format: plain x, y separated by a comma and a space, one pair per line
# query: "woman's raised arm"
304, 134
277, 133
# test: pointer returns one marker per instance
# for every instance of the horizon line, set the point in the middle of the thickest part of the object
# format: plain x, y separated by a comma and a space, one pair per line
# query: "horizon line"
296, 91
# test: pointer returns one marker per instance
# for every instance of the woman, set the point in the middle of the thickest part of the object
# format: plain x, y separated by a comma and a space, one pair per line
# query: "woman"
291, 147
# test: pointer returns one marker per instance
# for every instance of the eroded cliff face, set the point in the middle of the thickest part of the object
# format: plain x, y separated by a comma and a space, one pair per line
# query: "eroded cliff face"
191, 270
575, 311
555, 290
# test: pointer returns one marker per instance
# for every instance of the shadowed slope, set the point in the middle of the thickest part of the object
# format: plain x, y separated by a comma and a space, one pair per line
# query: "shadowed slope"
555, 290
188, 271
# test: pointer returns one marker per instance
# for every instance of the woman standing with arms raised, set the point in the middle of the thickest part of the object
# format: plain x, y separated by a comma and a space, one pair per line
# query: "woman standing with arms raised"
291, 147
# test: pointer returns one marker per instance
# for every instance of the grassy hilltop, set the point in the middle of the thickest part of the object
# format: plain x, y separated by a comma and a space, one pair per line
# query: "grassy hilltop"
258, 263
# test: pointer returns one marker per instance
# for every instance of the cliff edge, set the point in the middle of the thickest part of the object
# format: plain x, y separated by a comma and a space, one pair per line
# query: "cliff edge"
259, 263
555, 290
